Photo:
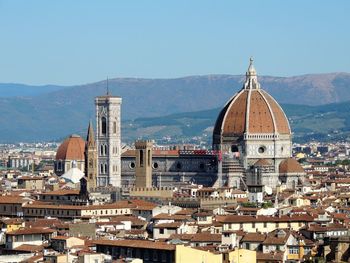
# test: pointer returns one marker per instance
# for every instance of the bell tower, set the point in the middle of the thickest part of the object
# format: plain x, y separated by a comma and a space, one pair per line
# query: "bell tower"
143, 172
108, 140
90, 158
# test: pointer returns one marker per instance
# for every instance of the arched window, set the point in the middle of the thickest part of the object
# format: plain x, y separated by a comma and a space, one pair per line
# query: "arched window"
101, 168
106, 171
234, 148
105, 149
178, 166
101, 150
141, 158
103, 125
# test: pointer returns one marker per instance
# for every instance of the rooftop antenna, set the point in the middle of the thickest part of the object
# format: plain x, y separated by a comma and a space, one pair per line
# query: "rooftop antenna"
107, 87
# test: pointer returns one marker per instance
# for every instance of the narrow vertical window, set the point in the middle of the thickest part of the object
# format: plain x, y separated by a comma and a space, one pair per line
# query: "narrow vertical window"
141, 158
149, 157
114, 127
103, 125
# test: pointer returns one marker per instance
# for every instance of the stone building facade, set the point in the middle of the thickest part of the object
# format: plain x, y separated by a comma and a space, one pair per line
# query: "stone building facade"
174, 167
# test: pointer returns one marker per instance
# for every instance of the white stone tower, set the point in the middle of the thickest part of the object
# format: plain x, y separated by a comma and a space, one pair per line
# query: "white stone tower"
108, 140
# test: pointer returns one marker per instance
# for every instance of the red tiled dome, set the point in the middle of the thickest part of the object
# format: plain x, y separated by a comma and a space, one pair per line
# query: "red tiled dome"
72, 148
290, 165
252, 110
262, 162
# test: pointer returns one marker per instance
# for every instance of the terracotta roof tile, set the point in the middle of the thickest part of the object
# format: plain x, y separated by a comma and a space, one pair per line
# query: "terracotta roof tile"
270, 257
254, 237
249, 219
175, 217
32, 230
290, 165
29, 248
12, 200
62, 192
158, 245
169, 225
206, 237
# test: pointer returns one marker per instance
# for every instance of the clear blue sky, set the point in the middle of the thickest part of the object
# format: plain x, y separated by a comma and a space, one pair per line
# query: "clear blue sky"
74, 42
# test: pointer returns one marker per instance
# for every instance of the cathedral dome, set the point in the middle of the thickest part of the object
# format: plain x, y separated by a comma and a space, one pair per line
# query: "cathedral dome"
262, 162
72, 148
252, 110
290, 165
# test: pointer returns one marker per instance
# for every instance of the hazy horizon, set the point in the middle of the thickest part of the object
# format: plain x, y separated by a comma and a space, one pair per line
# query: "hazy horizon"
75, 42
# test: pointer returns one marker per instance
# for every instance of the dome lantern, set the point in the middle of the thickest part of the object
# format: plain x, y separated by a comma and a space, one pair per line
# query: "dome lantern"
251, 81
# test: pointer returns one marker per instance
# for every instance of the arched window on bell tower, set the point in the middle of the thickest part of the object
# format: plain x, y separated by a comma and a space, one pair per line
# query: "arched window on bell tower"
103, 125
105, 149
141, 158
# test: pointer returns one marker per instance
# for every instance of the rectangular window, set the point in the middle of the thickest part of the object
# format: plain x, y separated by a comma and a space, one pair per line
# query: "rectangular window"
161, 231
164, 257
114, 127
155, 255
293, 250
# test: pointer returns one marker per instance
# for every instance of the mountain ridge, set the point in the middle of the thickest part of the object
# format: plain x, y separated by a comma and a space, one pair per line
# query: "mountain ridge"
56, 113
325, 123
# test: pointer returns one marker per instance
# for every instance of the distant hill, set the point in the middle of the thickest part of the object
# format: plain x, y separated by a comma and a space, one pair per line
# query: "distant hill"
324, 123
53, 112
21, 90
